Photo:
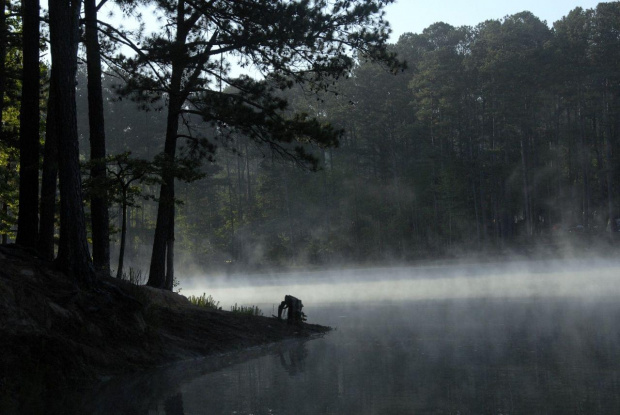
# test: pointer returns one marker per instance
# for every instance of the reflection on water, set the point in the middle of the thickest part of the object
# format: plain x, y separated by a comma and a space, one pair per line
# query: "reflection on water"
292, 359
528, 357
542, 356
485, 355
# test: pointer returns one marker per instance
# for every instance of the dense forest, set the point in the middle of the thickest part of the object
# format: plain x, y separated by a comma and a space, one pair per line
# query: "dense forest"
493, 138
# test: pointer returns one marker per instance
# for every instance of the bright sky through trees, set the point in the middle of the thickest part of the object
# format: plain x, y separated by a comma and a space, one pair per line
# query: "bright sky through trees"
416, 15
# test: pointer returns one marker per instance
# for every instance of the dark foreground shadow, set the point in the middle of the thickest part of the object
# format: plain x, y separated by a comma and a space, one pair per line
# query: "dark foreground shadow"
160, 391
153, 391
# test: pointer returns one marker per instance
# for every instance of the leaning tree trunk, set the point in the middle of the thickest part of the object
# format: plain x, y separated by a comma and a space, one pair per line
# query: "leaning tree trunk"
98, 200
27, 218
73, 256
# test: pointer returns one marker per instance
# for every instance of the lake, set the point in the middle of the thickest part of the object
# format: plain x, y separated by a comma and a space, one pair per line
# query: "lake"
519, 338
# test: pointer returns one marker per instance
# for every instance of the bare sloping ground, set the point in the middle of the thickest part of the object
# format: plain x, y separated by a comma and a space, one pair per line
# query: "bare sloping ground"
54, 333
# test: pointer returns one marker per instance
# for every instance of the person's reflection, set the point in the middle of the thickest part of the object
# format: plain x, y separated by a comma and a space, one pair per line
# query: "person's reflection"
174, 405
292, 359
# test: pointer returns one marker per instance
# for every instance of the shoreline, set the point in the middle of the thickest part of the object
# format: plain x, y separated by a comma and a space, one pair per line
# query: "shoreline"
54, 334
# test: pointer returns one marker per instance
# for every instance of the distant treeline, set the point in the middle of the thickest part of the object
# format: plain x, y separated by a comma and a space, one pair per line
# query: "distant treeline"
499, 135
502, 135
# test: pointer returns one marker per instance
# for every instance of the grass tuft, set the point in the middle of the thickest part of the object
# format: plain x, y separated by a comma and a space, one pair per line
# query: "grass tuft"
249, 310
204, 301
135, 276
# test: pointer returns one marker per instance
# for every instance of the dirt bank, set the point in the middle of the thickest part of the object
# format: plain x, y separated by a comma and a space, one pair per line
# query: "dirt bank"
54, 333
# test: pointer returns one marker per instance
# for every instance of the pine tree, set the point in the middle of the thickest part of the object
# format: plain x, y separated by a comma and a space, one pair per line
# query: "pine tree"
289, 42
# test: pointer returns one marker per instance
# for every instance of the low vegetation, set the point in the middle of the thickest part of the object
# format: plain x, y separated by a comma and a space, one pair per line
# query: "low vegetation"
204, 301
134, 276
207, 301
251, 310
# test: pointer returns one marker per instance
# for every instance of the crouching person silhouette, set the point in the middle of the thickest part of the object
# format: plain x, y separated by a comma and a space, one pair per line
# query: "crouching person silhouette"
293, 306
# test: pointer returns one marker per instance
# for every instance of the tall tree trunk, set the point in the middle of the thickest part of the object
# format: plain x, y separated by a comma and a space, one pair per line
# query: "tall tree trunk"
526, 187
242, 202
98, 201
231, 210
248, 177
161, 259
585, 161
3, 43
49, 176
475, 200
5, 210
73, 256
483, 206
610, 167
289, 216
161, 272
170, 252
27, 218
559, 216
121, 253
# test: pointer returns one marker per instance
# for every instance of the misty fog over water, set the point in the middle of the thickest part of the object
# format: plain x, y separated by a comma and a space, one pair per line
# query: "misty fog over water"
520, 338
555, 278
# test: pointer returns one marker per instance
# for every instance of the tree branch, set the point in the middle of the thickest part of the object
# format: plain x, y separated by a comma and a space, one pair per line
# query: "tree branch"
128, 42
100, 5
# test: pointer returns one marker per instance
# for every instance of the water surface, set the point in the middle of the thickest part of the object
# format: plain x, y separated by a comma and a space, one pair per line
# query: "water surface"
537, 339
